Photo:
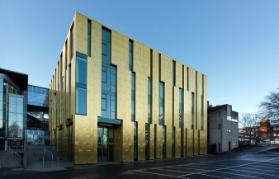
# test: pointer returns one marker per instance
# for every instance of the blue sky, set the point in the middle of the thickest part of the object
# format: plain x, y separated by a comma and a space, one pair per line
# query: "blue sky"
235, 42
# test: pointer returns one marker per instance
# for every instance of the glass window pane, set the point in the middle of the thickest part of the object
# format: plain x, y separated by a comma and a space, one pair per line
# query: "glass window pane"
81, 101
12, 116
1, 84
20, 105
81, 70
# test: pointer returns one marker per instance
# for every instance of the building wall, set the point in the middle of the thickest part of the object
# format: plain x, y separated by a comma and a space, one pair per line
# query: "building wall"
84, 140
221, 130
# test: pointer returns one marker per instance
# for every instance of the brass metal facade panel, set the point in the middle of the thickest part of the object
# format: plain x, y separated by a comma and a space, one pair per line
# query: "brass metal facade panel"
125, 140
85, 127
141, 69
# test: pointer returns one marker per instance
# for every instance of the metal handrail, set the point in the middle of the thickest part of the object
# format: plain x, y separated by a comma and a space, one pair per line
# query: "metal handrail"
46, 151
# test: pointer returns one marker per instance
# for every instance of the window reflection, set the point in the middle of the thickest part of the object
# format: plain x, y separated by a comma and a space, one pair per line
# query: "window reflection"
81, 83
15, 122
37, 96
108, 100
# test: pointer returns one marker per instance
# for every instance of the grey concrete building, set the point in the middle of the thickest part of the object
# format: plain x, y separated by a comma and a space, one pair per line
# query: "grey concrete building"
222, 129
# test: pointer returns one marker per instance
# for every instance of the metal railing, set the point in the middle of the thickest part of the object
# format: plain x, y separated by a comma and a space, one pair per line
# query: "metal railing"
46, 154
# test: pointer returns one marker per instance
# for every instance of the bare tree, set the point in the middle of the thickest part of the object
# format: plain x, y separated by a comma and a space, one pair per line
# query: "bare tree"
248, 122
270, 106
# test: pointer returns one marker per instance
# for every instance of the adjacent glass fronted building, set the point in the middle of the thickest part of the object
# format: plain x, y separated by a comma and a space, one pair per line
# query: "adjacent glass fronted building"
37, 116
112, 98
13, 97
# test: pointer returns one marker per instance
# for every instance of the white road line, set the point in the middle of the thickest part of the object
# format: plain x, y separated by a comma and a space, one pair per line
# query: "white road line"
167, 170
227, 167
245, 170
271, 163
247, 176
260, 169
203, 171
213, 176
190, 168
154, 173
264, 167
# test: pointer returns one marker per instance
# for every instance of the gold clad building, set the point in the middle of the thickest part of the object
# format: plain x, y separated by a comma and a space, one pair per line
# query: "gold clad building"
114, 99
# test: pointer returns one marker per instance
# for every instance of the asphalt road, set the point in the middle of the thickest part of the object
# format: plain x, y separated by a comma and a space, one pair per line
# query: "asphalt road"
257, 162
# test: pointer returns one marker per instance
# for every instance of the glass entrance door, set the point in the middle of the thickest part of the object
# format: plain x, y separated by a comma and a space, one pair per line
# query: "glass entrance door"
105, 144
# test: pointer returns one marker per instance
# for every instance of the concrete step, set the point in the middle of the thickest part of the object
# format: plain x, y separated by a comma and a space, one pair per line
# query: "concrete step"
8, 160
43, 157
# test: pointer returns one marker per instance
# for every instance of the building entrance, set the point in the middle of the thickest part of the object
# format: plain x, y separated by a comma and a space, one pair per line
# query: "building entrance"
105, 144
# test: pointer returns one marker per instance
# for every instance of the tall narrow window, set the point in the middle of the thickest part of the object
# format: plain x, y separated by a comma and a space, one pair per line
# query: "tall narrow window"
66, 53
70, 89
181, 119
173, 72
133, 96
131, 53
15, 116
1, 102
182, 142
135, 141
187, 78
147, 141
89, 37
72, 41
197, 99
109, 72
173, 142
181, 106
151, 63
81, 84
149, 100
164, 142
202, 112
193, 109
161, 102
160, 71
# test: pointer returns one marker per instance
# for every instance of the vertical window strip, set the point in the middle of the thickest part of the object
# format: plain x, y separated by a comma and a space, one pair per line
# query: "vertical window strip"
160, 62
70, 89
181, 105
66, 53
202, 112
81, 84
155, 141
149, 100
147, 141
173, 142
193, 109
187, 78
161, 102
133, 96
72, 41
174, 73
164, 142
89, 37
135, 141
131, 54
196, 99
109, 79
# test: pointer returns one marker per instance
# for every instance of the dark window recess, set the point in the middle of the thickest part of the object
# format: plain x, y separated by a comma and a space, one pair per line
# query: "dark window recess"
149, 100
173, 73
133, 96
89, 37
72, 41
193, 109
161, 102
131, 55
181, 108
135, 141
